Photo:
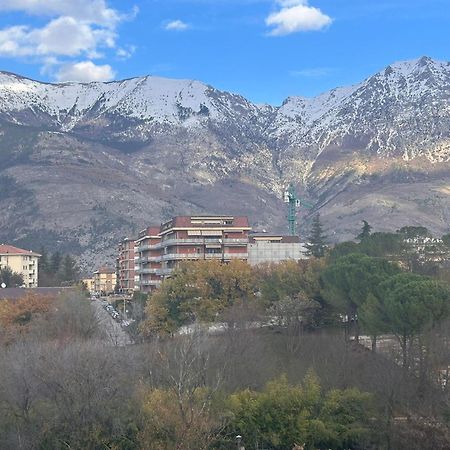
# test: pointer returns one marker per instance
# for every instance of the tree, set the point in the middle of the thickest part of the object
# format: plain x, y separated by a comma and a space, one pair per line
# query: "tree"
348, 282
284, 414
382, 245
186, 413
68, 273
316, 245
198, 291
365, 231
411, 232
412, 304
55, 262
10, 278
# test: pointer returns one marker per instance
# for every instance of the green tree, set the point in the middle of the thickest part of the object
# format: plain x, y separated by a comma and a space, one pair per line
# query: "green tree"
10, 278
316, 245
343, 249
365, 231
55, 262
411, 232
284, 414
382, 245
446, 239
348, 282
411, 305
68, 274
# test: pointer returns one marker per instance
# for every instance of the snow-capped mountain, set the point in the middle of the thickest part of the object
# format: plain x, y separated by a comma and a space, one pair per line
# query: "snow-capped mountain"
128, 152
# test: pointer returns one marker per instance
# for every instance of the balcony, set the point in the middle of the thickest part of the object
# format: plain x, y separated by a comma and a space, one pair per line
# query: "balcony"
149, 283
148, 259
201, 241
165, 271
200, 256
145, 271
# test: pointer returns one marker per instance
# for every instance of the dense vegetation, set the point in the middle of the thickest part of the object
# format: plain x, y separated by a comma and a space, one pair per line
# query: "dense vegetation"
346, 351
57, 269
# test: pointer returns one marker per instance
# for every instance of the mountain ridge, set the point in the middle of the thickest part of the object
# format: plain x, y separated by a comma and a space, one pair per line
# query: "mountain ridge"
130, 152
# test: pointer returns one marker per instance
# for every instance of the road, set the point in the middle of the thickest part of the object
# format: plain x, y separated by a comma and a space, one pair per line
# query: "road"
115, 334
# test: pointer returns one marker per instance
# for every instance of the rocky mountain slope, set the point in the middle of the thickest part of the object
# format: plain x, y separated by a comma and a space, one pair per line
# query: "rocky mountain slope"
82, 165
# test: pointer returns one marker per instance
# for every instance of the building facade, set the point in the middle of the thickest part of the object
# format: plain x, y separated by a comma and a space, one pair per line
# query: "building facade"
89, 283
125, 266
265, 248
148, 260
160, 250
105, 280
24, 262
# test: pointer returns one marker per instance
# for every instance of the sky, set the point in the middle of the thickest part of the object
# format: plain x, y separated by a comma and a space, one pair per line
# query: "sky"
265, 50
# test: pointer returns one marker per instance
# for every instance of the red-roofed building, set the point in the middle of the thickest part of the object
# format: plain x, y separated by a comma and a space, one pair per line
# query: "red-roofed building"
24, 262
159, 250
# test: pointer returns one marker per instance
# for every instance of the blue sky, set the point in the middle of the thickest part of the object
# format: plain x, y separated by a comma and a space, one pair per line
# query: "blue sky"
265, 50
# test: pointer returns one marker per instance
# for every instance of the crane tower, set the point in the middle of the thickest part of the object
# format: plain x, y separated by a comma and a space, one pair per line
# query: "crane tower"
290, 197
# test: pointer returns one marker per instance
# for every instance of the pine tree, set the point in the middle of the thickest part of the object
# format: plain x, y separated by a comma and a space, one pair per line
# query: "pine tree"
55, 263
316, 245
69, 271
365, 231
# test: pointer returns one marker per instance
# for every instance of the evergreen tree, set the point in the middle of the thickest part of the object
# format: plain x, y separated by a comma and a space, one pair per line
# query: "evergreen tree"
365, 231
10, 278
43, 260
69, 271
316, 245
55, 262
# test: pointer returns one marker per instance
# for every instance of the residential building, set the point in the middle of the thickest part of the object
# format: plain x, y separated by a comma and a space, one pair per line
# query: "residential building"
89, 283
105, 280
24, 262
161, 249
148, 260
269, 248
125, 266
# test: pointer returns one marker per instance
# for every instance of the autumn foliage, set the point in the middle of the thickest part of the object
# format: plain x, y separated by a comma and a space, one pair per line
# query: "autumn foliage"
17, 315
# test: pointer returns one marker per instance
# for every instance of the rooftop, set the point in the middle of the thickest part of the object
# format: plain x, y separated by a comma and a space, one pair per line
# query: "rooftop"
11, 250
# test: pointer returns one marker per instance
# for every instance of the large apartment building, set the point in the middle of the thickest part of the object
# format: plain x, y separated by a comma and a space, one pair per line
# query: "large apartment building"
24, 262
125, 266
188, 238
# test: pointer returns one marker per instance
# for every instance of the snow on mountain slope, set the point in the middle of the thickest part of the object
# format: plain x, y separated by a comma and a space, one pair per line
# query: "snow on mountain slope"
145, 98
402, 111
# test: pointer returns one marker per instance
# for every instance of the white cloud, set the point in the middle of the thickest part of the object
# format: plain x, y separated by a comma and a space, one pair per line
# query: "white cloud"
296, 16
126, 52
84, 72
78, 29
90, 11
64, 36
176, 25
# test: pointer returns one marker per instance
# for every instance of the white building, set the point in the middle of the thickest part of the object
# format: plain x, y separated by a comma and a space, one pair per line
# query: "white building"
269, 248
24, 262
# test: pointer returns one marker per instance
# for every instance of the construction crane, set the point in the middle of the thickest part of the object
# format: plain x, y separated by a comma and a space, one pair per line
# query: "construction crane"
290, 197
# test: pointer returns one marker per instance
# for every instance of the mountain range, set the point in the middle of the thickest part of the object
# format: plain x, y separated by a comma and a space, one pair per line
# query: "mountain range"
84, 165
